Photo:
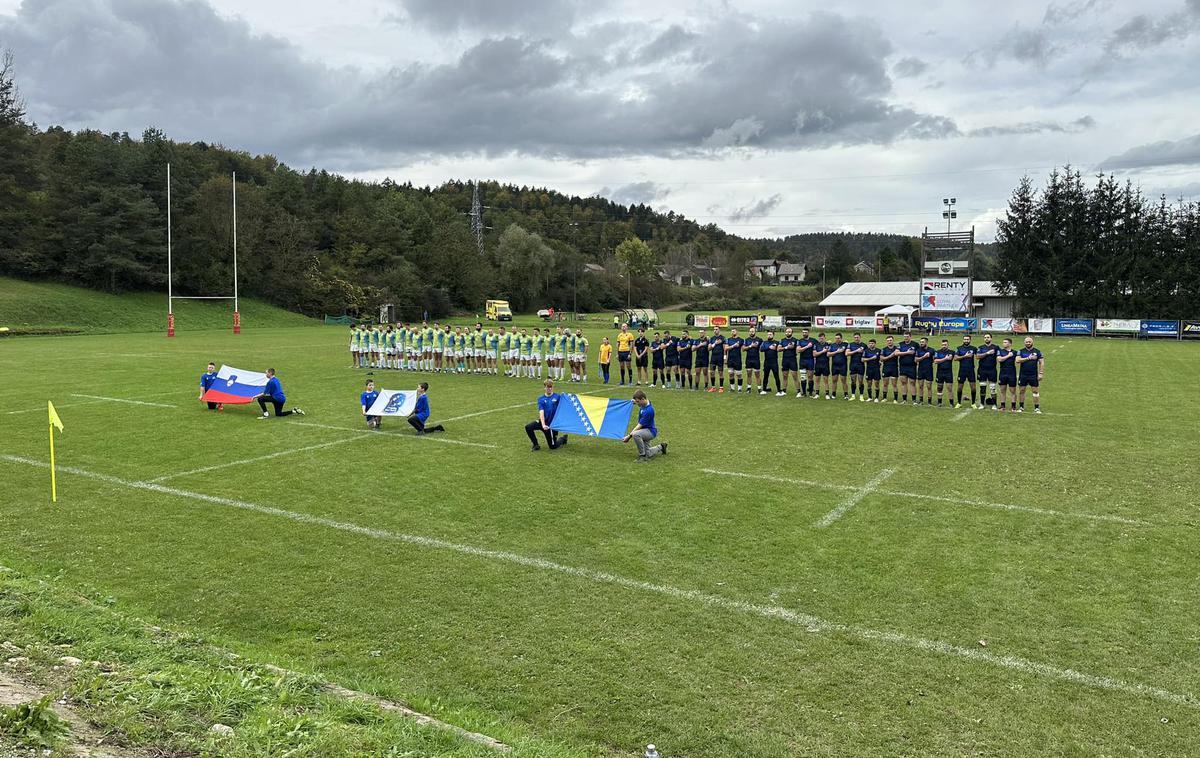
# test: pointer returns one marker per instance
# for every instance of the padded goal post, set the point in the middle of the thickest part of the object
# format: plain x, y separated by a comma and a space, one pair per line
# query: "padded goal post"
172, 297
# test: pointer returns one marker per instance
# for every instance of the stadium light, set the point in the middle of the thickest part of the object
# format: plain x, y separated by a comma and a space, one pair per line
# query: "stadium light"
949, 213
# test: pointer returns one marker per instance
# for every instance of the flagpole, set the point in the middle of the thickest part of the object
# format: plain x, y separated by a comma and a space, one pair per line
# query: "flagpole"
237, 318
170, 298
53, 477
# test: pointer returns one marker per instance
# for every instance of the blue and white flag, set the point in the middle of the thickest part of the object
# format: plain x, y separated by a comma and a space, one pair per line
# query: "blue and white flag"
394, 403
592, 416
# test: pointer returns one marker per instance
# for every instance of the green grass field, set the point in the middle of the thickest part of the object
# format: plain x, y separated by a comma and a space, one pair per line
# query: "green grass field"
995, 585
48, 306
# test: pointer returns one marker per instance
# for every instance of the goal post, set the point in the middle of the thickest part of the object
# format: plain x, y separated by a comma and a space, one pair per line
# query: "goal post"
171, 296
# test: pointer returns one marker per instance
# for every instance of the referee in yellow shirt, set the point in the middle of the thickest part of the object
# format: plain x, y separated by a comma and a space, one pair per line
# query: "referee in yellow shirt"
605, 358
624, 353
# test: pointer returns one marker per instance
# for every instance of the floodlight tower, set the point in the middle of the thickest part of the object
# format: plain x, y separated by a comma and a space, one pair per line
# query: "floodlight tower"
477, 219
949, 213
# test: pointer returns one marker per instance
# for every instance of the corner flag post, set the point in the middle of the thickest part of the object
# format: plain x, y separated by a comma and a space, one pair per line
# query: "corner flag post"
55, 421
170, 299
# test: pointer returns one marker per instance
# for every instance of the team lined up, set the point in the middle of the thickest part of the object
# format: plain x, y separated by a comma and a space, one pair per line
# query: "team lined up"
820, 368
561, 353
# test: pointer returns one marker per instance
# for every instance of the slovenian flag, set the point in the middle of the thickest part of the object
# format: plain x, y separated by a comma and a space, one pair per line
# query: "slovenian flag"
592, 416
394, 403
235, 387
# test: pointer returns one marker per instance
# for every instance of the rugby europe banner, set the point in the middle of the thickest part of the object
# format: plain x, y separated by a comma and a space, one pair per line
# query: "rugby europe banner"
947, 295
592, 416
394, 403
234, 386
956, 324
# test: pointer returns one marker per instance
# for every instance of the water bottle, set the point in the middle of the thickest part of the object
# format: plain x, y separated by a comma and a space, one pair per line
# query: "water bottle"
651, 751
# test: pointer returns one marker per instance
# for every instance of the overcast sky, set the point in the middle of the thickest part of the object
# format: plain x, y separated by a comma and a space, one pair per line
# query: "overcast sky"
767, 117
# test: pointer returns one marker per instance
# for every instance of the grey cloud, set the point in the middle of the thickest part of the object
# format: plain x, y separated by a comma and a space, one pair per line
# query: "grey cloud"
734, 83
673, 41
492, 16
1142, 31
1184, 152
1035, 127
907, 67
1020, 44
1062, 13
635, 193
757, 209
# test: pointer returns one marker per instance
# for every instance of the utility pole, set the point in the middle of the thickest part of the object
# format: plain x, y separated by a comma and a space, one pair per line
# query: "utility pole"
575, 270
476, 214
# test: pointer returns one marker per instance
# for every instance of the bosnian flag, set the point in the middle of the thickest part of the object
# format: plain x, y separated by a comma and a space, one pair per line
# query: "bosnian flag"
235, 387
394, 403
592, 416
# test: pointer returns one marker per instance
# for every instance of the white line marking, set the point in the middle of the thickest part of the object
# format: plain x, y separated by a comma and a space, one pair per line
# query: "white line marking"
962, 414
936, 498
42, 408
246, 461
855, 498
786, 615
429, 437
484, 413
123, 400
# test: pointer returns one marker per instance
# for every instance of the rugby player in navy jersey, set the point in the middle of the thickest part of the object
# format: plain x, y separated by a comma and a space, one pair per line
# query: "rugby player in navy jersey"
753, 373
700, 348
854, 351
821, 360
671, 354
1006, 375
1031, 367
657, 361
924, 361
943, 363
837, 367
641, 357
770, 364
787, 359
964, 355
716, 361
906, 360
733, 360
986, 354
804, 356
890, 368
683, 351
870, 358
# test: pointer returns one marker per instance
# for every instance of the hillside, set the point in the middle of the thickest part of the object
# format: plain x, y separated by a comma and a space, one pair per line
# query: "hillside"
35, 307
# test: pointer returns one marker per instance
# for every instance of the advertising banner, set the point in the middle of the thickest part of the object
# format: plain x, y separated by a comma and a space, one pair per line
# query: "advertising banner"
1118, 325
1041, 326
1190, 330
943, 324
1073, 326
743, 320
949, 295
773, 322
1159, 328
848, 322
718, 321
1011, 325
797, 321
700, 320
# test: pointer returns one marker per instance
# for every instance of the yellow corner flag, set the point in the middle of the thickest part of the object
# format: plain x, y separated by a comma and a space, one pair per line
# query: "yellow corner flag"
55, 421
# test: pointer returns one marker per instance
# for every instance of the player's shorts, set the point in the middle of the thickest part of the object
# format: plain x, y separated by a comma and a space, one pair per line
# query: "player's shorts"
1007, 381
789, 365
925, 376
643, 362
889, 371
807, 365
458, 354
716, 361
734, 364
579, 357
987, 374
837, 370
752, 362
701, 360
623, 357
658, 365
685, 363
448, 351
873, 373
857, 369
1028, 381
908, 371
945, 378
821, 370
966, 376
354, 348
